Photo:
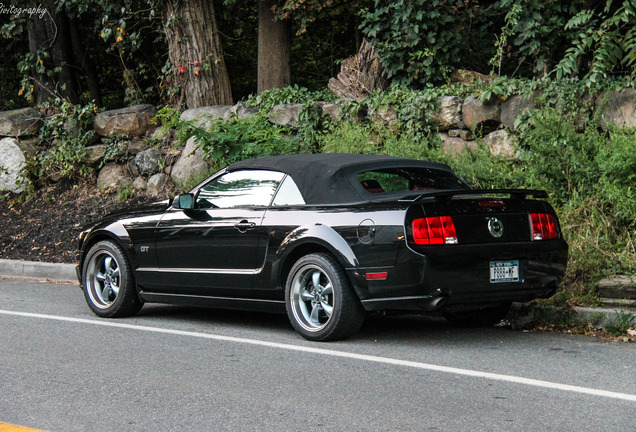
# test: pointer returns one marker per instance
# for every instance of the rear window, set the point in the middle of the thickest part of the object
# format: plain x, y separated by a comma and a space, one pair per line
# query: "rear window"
406, 180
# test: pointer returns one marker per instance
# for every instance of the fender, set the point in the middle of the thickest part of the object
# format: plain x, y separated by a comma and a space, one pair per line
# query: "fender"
317, 234
114, 231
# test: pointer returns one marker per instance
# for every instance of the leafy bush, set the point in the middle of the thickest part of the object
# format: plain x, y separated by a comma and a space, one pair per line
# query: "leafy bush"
605, 38
415, 39
236, 139
65, 136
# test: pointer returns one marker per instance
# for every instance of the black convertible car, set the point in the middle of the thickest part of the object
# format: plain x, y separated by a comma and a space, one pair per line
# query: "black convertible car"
327, 238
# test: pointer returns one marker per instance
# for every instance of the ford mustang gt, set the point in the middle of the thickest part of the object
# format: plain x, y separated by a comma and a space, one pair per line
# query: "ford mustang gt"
327, 238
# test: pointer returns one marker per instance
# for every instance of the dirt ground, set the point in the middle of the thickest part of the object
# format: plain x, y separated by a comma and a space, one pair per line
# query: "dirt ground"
45, 227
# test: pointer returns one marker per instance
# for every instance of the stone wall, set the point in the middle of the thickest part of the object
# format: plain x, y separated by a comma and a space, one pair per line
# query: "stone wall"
155, 158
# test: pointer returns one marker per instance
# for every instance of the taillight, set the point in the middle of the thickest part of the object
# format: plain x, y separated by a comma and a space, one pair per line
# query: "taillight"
544, 226
434, 230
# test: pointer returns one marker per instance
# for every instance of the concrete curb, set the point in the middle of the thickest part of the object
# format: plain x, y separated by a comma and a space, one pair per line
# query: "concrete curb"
38, 270
523, 315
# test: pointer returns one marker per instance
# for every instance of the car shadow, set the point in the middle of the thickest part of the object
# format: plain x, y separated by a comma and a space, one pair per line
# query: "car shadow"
394, 328
212, 316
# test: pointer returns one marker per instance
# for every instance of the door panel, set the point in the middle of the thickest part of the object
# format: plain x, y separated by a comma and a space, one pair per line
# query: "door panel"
209, 252
213, 249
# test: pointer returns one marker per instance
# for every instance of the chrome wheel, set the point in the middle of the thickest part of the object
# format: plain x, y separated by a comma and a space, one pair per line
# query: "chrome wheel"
312, 298
320, 302
108, 281
103, 279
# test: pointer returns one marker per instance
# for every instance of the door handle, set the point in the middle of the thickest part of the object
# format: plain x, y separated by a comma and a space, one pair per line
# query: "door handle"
244, 225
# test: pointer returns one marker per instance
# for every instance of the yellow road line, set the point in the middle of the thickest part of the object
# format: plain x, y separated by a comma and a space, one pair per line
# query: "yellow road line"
7, 427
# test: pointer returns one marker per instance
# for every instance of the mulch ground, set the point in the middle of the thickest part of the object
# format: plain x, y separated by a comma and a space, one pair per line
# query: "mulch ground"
44, 227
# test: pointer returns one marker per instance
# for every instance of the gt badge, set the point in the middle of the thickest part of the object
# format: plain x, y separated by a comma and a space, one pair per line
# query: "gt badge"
495, 227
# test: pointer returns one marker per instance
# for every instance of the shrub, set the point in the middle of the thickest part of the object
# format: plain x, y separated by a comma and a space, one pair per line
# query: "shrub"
65, 136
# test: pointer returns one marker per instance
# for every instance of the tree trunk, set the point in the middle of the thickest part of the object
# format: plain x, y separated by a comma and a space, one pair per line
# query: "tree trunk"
274, 48
50, 34
196, 54
85, 63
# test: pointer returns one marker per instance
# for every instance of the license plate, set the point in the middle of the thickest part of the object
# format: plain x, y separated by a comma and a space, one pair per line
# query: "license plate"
504, 271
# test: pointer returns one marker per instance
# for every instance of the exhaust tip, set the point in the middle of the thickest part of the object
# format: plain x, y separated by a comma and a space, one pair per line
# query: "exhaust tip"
438, 302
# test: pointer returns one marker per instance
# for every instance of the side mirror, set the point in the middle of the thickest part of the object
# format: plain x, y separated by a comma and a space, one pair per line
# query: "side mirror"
184, 202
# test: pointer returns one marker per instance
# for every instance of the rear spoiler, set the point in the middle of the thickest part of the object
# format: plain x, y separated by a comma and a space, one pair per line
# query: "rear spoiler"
448, 194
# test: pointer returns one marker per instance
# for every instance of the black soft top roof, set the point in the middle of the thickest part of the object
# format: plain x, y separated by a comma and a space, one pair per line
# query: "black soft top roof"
329, 178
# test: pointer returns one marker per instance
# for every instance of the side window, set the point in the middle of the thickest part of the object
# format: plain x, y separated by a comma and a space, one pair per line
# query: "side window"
288, 194
247, 188
380, 182
408, 179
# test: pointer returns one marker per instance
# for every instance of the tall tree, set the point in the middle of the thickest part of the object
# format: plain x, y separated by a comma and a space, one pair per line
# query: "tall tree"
50, 43
196, 54
274, 48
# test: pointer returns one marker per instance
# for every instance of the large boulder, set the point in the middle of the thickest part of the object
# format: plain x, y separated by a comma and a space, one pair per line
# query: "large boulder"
513, 108
454, 146
21, 122
384, 115
502, 144
149, 161
189, 165
203, 116
133, 121
112, 177
449, 114
241, 110
156, 183
95, 154
481, 116
617, 108
12, 164
285, 115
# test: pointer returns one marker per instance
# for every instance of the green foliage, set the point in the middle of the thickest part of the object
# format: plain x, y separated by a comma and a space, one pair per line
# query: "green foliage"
115, 149
65, 136
124, 193
512, 21
535, 34
547, 138
236, 139
605, 40
416, 40
286, 95
620, 323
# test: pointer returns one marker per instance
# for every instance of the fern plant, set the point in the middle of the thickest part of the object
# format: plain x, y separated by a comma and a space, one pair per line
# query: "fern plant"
607, 40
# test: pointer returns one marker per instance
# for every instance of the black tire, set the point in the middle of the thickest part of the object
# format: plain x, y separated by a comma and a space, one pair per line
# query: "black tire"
109, 285
320, 301
485, 317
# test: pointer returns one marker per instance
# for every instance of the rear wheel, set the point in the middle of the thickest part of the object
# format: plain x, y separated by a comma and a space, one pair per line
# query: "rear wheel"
485, 317
320, 301
109, 286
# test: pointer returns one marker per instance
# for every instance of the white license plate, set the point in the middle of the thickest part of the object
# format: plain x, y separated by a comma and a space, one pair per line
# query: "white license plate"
504, 271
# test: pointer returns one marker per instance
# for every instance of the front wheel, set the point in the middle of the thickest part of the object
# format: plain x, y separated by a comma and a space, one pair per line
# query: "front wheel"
109, 286
320, 301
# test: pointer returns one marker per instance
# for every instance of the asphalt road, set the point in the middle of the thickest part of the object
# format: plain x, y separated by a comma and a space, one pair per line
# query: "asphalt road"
184, 369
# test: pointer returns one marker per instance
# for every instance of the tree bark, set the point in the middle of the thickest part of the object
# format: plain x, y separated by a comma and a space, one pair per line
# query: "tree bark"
85, 63
196, 54
274, 48
50, 34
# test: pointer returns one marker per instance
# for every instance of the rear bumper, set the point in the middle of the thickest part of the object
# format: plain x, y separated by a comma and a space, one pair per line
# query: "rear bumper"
458, 278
